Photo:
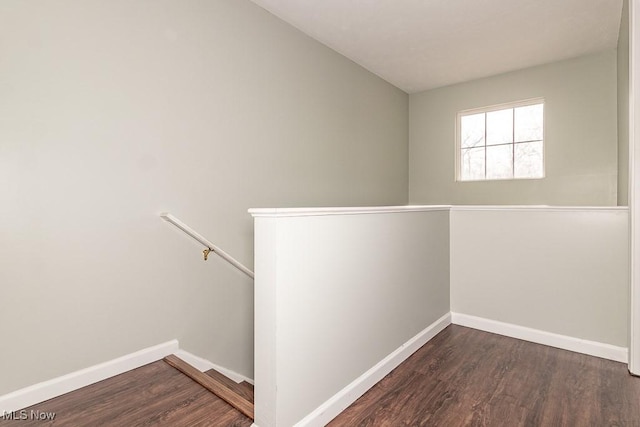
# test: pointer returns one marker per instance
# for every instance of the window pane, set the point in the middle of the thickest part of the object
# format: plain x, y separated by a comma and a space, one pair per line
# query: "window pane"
500, 162
472, 164
472, 131
528, 160
500, 127
528, 122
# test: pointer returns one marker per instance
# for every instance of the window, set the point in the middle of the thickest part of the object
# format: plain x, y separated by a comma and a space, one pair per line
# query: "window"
504, 142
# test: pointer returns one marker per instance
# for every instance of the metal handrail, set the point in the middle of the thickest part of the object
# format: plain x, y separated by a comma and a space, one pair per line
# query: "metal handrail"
210, 247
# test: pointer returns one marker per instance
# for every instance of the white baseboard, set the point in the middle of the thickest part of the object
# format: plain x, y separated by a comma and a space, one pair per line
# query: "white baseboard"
345, 397
46, 390
204, 365
592, 348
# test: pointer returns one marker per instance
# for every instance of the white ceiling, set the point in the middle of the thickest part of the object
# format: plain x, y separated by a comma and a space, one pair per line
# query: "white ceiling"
424, 44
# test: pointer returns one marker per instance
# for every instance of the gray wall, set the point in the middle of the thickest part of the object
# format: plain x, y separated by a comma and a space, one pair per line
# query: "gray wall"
564, 271
580, 136
623, 107
112, 111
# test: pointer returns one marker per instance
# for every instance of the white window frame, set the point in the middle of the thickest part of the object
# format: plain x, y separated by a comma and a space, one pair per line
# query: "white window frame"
489, 109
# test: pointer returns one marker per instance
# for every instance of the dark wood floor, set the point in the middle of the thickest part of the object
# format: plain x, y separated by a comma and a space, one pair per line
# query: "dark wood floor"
462, 377
153, 395
465, 377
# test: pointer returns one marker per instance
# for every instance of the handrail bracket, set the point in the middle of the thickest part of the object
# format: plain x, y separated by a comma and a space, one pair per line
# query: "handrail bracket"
206, 252
209, 247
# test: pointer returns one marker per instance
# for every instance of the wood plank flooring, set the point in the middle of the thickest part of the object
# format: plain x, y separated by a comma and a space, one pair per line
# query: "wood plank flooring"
153, 395
244, 388
462, 377
207, 381
465, 377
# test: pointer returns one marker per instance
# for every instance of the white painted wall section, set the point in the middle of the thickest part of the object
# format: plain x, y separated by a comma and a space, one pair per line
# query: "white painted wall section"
338, 291
634, 188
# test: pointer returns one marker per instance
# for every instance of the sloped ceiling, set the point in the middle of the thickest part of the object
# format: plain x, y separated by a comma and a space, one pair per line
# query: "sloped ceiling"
423, 44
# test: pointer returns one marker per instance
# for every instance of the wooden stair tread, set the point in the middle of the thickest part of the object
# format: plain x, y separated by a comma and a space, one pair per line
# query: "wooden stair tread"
213, 385
244, 389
